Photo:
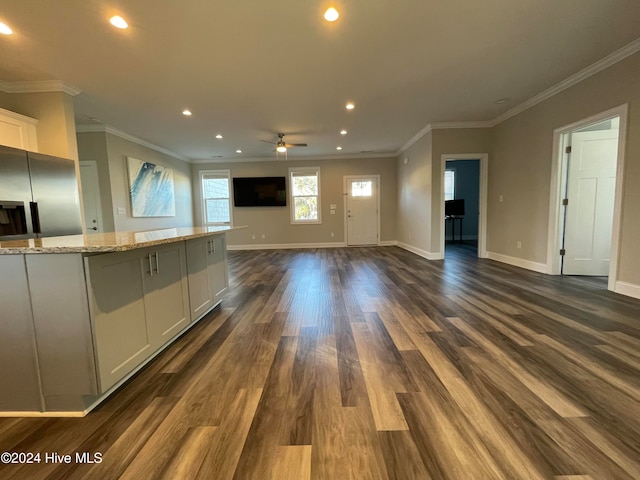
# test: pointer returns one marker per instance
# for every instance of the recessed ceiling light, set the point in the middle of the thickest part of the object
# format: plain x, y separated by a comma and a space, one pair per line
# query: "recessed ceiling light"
331, 15
338, 148
118, 22
350, 106
343, 132
219, 137
5, 29
187, 113
238, 151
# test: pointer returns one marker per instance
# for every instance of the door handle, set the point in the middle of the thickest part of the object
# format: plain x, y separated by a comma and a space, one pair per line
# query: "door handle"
93, 228
150, 266
157, 264
35, 217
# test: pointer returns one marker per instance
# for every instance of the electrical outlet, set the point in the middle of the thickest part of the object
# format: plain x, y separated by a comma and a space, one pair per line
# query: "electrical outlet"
332, 235
121, 211
500, 198
518, 244
264, 236
253, 237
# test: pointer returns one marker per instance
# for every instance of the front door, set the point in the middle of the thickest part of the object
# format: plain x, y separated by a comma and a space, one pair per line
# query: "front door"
590, 193
362, 210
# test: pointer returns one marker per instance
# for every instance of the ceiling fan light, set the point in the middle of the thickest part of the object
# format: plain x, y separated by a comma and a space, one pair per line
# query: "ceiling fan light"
281, 149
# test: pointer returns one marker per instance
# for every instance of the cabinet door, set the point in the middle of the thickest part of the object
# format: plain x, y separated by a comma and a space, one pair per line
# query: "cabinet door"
200, 287
218, 266
118, 310
166, 298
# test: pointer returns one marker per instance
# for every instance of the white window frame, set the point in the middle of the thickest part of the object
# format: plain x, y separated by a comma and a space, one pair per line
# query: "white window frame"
203, 200
450, 169
304, 170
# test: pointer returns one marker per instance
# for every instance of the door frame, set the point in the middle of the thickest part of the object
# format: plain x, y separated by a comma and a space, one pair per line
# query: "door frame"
482, 201
345, 182
558, 172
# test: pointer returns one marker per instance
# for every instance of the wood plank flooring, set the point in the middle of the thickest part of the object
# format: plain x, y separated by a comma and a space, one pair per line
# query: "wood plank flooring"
372, 363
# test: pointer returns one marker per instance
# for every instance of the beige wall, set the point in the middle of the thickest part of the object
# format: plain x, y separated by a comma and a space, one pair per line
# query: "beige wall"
414, 195
111, 152
520, 167
56, 123
520, 154
275, 223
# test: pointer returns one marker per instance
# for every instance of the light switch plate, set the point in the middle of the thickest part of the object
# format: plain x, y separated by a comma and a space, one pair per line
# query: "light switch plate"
121, 211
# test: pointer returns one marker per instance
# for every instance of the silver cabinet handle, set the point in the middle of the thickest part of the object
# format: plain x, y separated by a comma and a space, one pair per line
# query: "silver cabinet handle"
150, 266
157, 264
213, 246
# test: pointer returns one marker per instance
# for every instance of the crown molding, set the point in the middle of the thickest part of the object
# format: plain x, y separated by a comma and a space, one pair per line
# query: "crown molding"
354, 156
591, 70
19, 117
39, 87
131, 138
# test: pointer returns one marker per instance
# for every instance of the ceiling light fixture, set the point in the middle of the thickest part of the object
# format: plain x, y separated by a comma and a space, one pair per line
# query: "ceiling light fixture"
338, 148
187, 113
343, 132
350, 106
238, 151
5, 29
331, 15
118, 22
219, 137
281, 148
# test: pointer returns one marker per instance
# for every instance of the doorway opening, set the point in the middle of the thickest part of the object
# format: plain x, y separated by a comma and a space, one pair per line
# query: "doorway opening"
464, 204
586, 195
362, 209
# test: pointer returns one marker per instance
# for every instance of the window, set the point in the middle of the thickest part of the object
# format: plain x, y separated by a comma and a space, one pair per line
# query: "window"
305, 195
216, 199
449, 184
362, 189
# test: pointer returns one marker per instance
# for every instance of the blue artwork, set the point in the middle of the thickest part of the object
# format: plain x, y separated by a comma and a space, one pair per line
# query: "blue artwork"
151, 189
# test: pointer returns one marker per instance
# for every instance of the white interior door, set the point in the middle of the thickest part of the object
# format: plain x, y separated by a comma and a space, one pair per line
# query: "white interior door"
362, 210
91, 196
591, 193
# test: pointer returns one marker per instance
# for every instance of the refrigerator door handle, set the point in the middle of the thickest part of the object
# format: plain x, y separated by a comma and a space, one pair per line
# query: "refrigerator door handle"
35, 217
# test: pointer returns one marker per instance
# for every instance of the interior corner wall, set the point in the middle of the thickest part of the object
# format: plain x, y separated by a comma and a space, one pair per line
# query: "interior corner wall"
415, 174
93, 147
118, 149
56, 123
275, 222
520, 166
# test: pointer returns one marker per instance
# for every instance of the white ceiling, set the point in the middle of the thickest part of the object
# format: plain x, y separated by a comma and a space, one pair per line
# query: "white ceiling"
250, 69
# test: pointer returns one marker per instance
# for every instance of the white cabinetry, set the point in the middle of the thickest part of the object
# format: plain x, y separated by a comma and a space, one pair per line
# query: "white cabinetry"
18, 131
139, 300
208, 278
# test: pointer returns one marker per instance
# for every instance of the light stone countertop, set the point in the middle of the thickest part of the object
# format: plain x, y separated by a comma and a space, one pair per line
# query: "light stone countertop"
109, 242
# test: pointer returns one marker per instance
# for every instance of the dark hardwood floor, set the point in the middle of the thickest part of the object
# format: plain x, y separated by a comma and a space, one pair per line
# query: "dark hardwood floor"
372, 363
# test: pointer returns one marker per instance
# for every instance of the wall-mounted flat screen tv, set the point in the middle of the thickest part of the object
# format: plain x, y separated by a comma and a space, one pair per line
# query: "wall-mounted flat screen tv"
259, 192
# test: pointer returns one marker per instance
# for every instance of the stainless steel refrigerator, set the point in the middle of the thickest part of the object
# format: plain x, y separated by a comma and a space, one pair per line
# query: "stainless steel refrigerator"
38, 195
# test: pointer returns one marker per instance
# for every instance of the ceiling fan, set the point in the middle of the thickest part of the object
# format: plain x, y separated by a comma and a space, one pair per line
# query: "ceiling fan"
281, 145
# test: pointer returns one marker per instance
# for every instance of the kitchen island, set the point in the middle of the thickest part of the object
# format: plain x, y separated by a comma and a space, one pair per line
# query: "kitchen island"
80, 314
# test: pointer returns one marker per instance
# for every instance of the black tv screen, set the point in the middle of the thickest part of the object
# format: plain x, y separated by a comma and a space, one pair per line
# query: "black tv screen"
259, 192
454, 208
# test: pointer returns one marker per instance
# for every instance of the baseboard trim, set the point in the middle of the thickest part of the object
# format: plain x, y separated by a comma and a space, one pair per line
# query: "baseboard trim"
388, 243
628, 289
285, 246
518, 262
420, 252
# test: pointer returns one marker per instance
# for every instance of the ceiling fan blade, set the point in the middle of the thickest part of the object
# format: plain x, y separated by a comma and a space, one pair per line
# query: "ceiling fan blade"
267, 141
288, 145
